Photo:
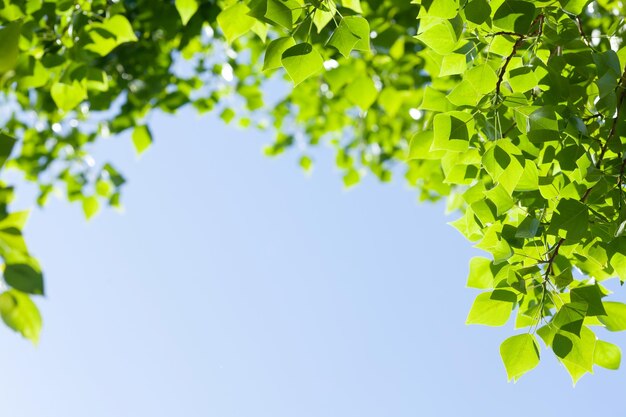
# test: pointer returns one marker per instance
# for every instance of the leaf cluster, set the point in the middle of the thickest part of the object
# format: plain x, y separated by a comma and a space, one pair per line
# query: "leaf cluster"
514, 111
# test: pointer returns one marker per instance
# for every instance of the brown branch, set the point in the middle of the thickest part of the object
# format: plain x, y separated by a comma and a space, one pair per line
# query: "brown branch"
620, 180
593, 116
550, 261
520, 39
620, 101
518, 35
516, 45
581, 31
584, 197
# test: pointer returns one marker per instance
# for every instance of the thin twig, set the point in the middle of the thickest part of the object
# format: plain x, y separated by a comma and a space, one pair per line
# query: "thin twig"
520, 39
581, 31
620, 101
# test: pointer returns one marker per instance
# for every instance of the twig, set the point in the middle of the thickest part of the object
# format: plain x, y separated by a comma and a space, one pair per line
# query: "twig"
620, 101
516, 45
593, 116
520, 39
581, 31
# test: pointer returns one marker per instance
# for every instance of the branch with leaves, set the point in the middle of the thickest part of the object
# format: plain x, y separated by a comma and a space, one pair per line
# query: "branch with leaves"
508, 109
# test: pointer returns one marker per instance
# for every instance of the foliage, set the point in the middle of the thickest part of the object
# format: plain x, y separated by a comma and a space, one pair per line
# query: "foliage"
513, 110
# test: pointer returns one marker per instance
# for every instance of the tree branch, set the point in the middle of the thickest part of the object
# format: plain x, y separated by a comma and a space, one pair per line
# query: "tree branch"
520, 39
620, 101
581, 31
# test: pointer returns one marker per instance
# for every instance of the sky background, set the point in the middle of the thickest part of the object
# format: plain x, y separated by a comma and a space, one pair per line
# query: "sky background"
235, 286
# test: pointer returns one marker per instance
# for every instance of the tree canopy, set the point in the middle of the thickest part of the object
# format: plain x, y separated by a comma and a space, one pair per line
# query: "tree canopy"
514, 111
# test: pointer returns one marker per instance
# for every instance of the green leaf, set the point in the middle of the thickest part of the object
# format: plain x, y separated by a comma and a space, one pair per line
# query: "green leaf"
615, 319
522, 79
274, 52
607, 355
542, 124
142, 138
561, 345
420, 146
6, 147
570, 317
482, 78
579, 360
520, 354
301, 61
493, 243
360, 28
492, 308
452, 131
109, 34
501, 198
186, 9
440, 37
20, 314
464, 94
514, 16
227, 115
321, 18
351, 178
480, 275
591, 296
25, 276
235, 21
529, 180
67, 96
90, 206
478, 11
446, 9
528, 228
574, 6
571, 220
468, 226
453, 64
352, 4
9, 46
279, 13
306, 163
343, 39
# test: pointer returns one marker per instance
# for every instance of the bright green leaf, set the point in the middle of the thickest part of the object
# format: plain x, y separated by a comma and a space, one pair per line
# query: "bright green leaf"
520, 354
186, 9
570, 220
343, 39
68, 96
142, 138
570, 317
301, 61
274, 52
615, 319
590, 295
453, 64
441, 37
279, 13
20, 314
235, 21
492, 308
109, 34
90, 206
9, 46
607, 355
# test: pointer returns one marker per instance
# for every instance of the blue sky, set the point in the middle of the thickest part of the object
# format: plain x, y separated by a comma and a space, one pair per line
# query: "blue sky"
235, 286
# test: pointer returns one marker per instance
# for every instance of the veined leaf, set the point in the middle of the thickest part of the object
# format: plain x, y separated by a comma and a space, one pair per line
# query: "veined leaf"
520, 354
